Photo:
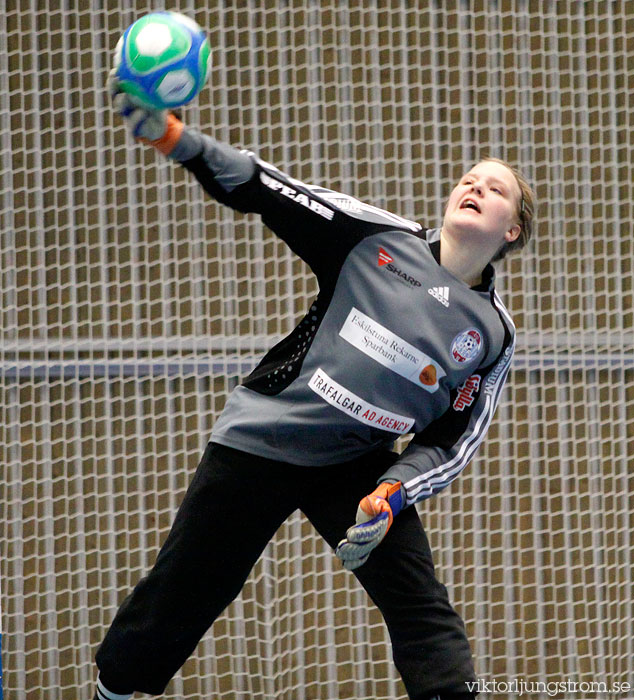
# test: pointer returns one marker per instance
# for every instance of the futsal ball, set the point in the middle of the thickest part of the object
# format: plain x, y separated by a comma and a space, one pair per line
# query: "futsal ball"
163, 60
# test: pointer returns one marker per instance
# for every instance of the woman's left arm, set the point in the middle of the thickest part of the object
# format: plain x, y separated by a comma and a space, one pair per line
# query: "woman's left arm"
436, 455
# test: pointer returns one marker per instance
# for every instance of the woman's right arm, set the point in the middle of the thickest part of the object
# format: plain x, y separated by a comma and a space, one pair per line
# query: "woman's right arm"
319, 225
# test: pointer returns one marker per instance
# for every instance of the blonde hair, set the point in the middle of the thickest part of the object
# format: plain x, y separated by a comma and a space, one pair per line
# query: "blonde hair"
525, 211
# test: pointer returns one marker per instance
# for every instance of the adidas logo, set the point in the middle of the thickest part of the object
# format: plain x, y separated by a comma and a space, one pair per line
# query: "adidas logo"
440, 293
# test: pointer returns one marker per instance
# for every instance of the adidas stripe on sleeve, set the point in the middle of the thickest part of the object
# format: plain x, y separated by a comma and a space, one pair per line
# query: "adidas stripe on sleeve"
436, 456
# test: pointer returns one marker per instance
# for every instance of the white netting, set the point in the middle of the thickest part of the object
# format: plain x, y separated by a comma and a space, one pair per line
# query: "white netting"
131, 306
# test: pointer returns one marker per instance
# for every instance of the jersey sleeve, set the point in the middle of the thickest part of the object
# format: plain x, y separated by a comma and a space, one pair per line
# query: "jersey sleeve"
315, 229
436, 455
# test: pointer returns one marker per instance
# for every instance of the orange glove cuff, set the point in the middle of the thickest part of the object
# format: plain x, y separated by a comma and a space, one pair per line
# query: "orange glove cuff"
171, 136
386, 497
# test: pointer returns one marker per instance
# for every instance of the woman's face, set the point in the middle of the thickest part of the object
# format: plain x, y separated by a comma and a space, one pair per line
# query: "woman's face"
484, 205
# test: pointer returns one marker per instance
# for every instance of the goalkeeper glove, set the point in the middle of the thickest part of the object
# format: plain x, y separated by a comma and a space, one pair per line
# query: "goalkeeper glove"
157, 127
375, 515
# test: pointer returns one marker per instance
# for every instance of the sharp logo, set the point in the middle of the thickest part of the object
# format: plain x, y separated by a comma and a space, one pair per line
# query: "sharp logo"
404, 277
386, 260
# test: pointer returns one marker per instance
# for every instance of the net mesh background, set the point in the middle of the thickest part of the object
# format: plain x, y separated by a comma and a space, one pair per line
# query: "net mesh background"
131, 305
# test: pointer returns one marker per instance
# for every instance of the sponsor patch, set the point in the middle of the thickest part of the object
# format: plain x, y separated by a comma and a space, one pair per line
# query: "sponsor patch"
428, 376
466, 393
296, 196
466, 346
403, 276
497, 371
388, 349
384, 257
356, 407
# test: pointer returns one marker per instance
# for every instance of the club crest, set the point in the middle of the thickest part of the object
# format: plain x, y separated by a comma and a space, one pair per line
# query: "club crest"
466, 346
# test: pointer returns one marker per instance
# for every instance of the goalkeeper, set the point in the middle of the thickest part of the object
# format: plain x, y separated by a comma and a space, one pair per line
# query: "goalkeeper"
406, 335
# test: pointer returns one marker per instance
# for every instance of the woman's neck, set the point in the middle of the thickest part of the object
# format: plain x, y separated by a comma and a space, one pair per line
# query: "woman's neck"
463, 263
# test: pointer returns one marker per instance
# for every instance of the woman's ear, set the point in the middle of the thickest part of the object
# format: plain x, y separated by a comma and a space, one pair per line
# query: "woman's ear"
513, 233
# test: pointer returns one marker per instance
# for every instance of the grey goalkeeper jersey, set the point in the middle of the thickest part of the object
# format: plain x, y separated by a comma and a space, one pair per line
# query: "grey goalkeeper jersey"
393, 344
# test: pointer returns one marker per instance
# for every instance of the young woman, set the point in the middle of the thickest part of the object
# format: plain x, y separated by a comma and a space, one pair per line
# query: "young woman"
407, 335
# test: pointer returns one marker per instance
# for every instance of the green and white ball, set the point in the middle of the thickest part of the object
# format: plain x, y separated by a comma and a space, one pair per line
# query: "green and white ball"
163, 60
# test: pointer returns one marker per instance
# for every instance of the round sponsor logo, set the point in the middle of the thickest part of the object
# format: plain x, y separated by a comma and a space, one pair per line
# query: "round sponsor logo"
466, 346
428, 375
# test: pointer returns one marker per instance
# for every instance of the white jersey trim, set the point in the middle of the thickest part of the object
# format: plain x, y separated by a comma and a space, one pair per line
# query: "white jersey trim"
343, 202
434, 480
331, 196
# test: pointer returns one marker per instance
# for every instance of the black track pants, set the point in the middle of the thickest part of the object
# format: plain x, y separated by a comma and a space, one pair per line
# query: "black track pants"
233, 507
